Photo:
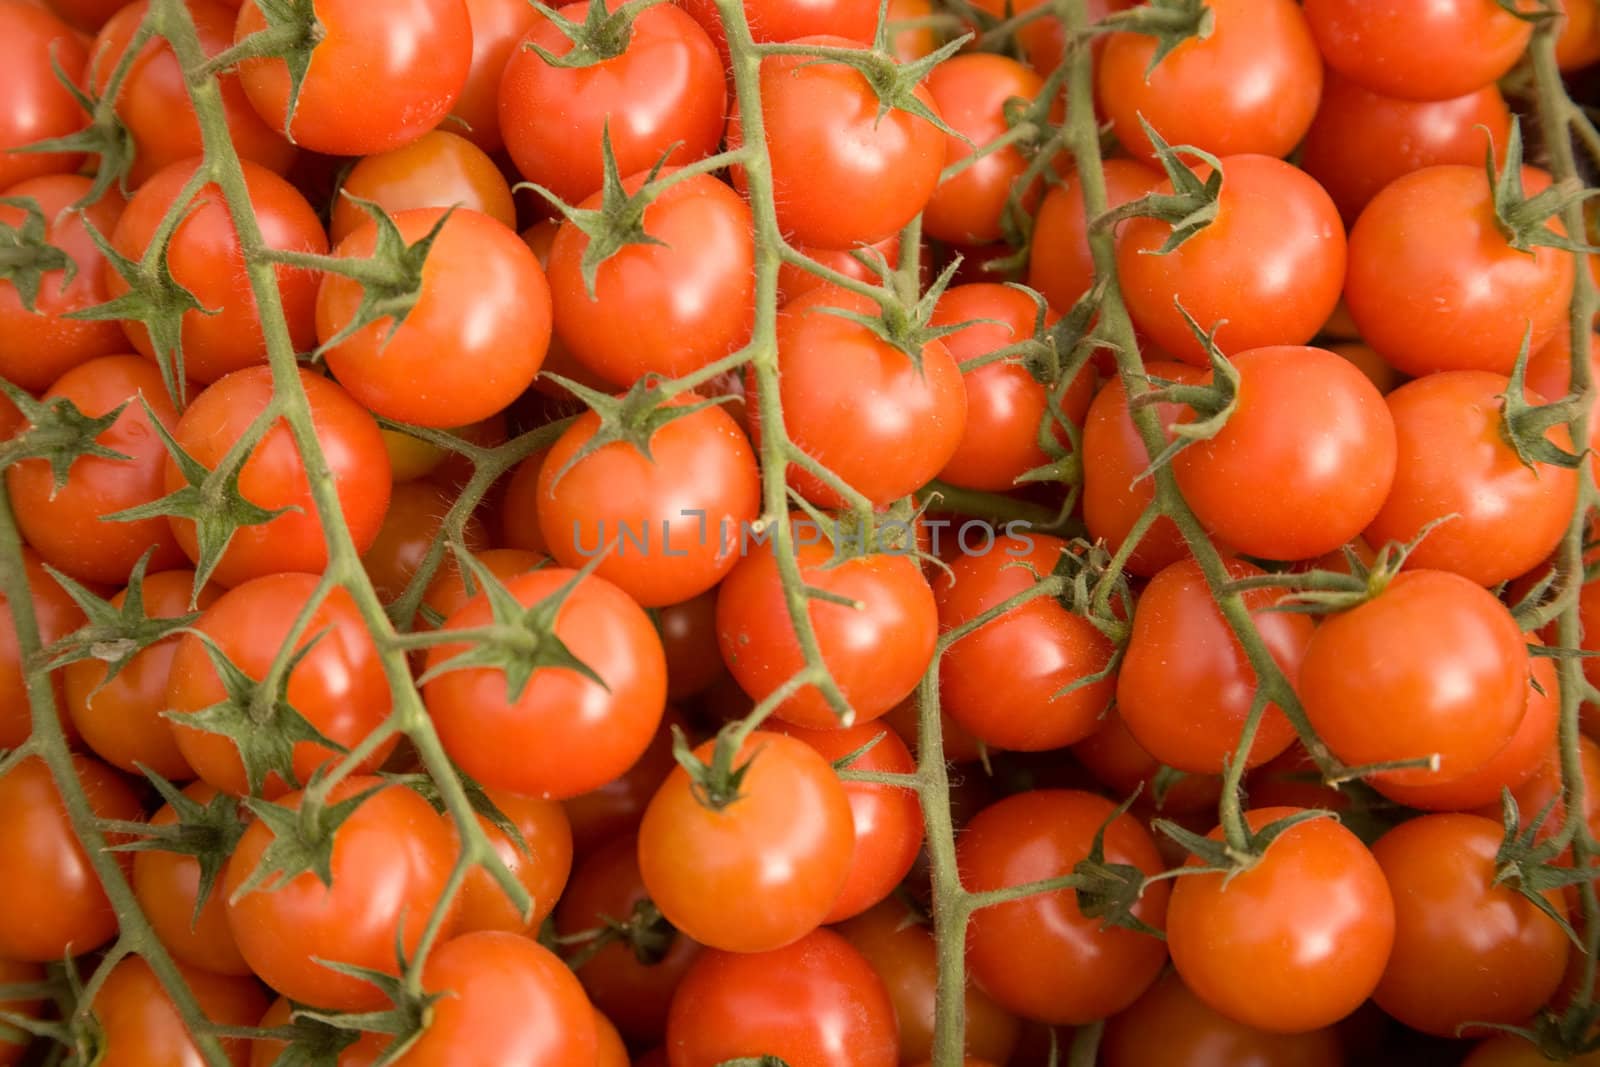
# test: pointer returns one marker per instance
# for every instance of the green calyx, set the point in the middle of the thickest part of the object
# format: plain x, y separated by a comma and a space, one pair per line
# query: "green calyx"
1530, 862
1526, 427
104, 137
206, 832
1213, 404
905, 324
1232, 859
603, 34
390, 278
58, 433
1110, 891
111, 635
292, 34
1188, 209
1521, 219
633, 419
26, 254
1170, 22
302, 839
716, 784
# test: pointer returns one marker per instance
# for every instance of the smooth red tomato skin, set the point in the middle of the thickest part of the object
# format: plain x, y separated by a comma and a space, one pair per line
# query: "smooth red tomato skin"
614, 810
339, 686
438, 169
542, 869
1294, 943
853, 402
842, 174
1454, 460
380, 76
689, 638
37, 105
1258, 72
167, 885
391, 859
666, 308
528, 745
497, 27
1471, 43
1271, 264
153, 102
274, 476
67, 525
1513, 1050
765, 870
51, 902
1460, 298
1185, 686
507, 999
1466, 949
1118, 763
1044, 40
667, 90
784, 20
816, 1002
1003, 682
204, 257
1303, 463
1441, 658
139, 1024
1042, 834
876, 655
472, 343
1059, 263
1361, 141
37, 347
56, 615
1171, 1026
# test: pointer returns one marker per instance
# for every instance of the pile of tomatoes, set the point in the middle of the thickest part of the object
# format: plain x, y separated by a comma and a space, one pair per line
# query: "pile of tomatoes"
832, 534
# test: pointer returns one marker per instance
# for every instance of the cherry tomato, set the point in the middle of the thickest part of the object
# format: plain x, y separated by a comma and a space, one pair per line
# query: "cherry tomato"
448, 594
1115, 759
497, 27
1059, 263
1578, 42
762, 871
542, 868
614, 809
781, 20
1044, 40
167, 885
1549, 373
416, 515
1171, 1026
37, 105
689, 638
1471, 43
368, 1048
794, 281
139, 1024
56, 614
438, 169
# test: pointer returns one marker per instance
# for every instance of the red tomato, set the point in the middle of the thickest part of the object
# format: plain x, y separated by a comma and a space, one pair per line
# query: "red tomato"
1185, 686
139, 1024
37, 105
366, 1051
447, 593
784, 20
472, 343
876, 655
416, 515
167, 885
762, 871
1115, 759
564, 734
1257, 71
338, 686
1546, 789
56, 614
1458, 297
273, 476
1443, 670
51, 903
667, 308
1269, 265
519, 518
1578, 42
1454, 460
1044, 40
405, 62
1303, 463
438, 169
497, 27
542, 868
1295, 942
1059, 263
37, 347
614, 809
1361, 141
390, 860
794, 281
664, 94
882, 405
816, 1002
1470, 44
1042, 834
689, 638
1550, 373
1467, 947
204, 256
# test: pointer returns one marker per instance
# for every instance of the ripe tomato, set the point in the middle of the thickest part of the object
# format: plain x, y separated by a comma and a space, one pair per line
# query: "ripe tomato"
273, 476
604, 814
1169, 1025
56, 615
1458, 297
1117, 762
37, 105
139, 1024
1545, 789
338, 687
405, 62
1578, 40
1467, 947
1185, 686
1004, 682
497, 27
1295, 942
1042, 834
519, 517
780, 20
390, 860
51, 903
842, 172
1453, 459
689, 638
815, 1002
37, 347
1258, 72
447, 593
1361, 141
667, 308
1550, 373
507, 999
905, 956
794, 280
438, 169
527, 744
204, 257
167, 885
1269, 265
876, 655
153, 102
1471, 43
669, 523
632, 984
416, 515
68, 526
1443, 670
1044, 40
366, 1051
542, 869
664, 94
472, 343
1303, 463
761, 872
1059, 263
609, 1049
851, 400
